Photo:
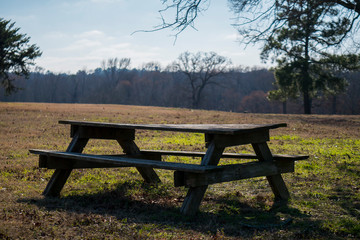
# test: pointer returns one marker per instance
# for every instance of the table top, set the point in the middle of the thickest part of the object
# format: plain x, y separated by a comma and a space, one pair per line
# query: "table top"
230, 129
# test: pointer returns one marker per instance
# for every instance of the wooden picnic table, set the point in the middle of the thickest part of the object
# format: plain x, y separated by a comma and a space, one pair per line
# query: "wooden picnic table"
196, 177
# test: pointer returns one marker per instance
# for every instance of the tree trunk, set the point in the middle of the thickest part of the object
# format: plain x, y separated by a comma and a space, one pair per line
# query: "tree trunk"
333, 111
284, 107
307, 103
306, 76
195, 102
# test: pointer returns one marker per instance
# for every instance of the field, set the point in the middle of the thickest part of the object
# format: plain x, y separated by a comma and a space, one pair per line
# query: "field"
116, 204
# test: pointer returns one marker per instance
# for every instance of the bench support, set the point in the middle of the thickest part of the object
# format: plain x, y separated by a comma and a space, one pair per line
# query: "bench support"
233, 172
60, 176
195, 194
276, 182
147, 173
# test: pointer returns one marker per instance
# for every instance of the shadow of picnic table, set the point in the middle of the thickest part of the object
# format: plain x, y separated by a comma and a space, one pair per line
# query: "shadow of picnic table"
235, 218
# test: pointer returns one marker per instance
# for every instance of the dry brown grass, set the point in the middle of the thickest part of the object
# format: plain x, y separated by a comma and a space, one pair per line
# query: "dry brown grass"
114, 204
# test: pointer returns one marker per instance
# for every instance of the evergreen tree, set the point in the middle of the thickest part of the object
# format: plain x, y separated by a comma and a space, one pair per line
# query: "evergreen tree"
16, 55
300, 48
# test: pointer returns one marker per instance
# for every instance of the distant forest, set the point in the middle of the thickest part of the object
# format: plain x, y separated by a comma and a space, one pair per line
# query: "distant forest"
241, 90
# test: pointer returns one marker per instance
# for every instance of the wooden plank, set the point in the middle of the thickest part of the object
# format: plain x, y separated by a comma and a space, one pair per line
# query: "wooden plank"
60, 176
77, 144
148, 174
67, 163
233, 172
43, 161
225, 155
222, 140
195, 195
96, 132
51, 162
192, 200
198, 128
122, 161
276, 182
56, 182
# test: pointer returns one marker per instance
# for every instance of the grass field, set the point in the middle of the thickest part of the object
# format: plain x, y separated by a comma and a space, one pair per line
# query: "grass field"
116, 204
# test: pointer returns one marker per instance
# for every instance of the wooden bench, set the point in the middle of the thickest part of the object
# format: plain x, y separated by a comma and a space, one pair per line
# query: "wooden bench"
189, 175
193, 176
225, 155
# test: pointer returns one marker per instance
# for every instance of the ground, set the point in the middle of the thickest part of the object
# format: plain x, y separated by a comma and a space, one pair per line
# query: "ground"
116, 204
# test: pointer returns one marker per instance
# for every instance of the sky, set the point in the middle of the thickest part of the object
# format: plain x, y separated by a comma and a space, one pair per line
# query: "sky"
79, 34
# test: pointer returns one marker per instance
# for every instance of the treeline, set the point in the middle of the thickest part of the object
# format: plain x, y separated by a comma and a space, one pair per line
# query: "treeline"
239, 90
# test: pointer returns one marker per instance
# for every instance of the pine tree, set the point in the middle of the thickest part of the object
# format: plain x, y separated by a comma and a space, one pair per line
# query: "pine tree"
16, 55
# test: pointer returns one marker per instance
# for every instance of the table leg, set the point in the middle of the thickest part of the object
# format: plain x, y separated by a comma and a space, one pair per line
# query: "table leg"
195, 194
147, 173
276, 182
60, 176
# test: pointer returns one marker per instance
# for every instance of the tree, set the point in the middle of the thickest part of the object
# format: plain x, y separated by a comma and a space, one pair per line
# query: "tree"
201, 70
185, 14
152, 66
257, 19
258, 12
114, 68
299, 49
286, 87
256, 102
117, 79
16, 55
297, 33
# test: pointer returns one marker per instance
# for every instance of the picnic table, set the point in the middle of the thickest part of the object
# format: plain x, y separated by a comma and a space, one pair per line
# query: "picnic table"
196, 177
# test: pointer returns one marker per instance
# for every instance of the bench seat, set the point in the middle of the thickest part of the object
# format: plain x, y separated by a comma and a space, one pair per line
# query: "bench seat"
189, 175
225, 155
57, 160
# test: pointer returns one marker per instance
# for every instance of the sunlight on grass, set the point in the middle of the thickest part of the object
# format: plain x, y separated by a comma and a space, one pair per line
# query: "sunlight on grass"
115, 203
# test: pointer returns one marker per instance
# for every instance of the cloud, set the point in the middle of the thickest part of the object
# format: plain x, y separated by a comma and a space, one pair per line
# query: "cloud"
232, 54
89, 48
233, 37
55, 35
91, 34
85, 42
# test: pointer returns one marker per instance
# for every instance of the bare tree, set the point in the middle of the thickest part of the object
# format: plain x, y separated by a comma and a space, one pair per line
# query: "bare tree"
152, 66
260, 12
113, 68
201, 70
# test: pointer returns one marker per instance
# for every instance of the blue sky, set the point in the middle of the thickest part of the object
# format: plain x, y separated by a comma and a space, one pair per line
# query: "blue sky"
79, 34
